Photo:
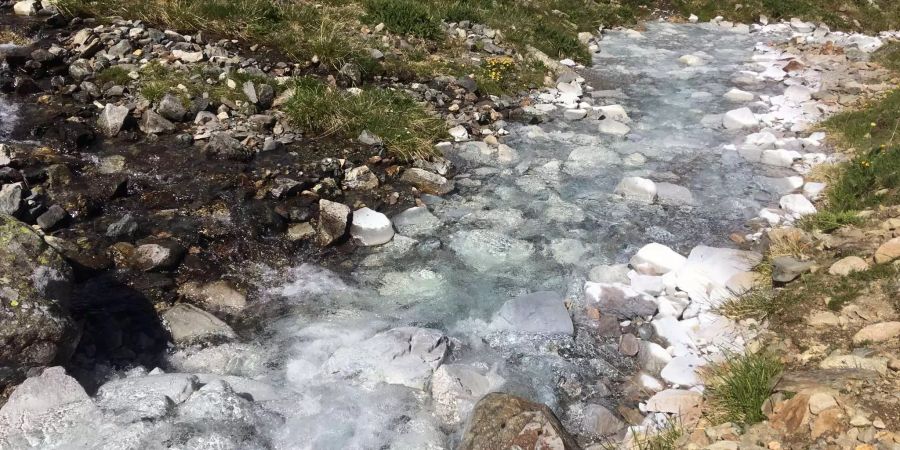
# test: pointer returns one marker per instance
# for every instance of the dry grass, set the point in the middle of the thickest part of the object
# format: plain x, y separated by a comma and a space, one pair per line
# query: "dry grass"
11, 37
796, 244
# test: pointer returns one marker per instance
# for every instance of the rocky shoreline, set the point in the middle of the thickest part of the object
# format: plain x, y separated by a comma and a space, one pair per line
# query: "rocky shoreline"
139, 216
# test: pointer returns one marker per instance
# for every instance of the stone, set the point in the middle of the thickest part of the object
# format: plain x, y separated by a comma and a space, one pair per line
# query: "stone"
739, 96
126, 227
828, 422
112, 118
614, 112
617, 273
360, 178
600, 421
35, 290
428, 182
682, 370
369, 138
189, 325
574, 114
52, 218
219, 295
637, 189
780, 157
416, 221
673, 194
848, 265
538, 312
798, 94
222, 145
153, 123
692, 60
613, 127
675, 401
656, 259
300, 231
111, 164
459, 133
875, 364
629, 345
171, 107
11, 198
503, 421
793, 414
249, 90
888, 251
163, 255
145, 397
455, 388
188, 57
619, 300
821, 401
489, 250
797, 204
371, 228
26, 7
788, 268
406, 356
739, 119
334, 220
877, 332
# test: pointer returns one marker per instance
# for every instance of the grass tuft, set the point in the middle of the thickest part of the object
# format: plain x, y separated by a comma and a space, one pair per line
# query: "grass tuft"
407, 129
757, 303
737, 388
409, 17
666, 438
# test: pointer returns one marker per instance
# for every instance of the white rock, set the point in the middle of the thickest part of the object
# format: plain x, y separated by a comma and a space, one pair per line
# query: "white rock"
614, 112
188, 57
145, 397
416, 221
600, 421
617, 273
574, 114
573, 88
674, 401
613, 127
649, 382
693, 18
538, 312
455, 388
637, 189
653, 357
692, 60
656, 259
675, 333
771, 216
797, 204
673, 194
487, 250
813, 190
739, 96
459, 133
25, 7
188, 324
619, 300
798, 94
682, 370
780, 157
739, 119
371, 227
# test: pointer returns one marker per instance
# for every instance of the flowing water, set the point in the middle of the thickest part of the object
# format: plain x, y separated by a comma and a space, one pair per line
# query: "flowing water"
538, 218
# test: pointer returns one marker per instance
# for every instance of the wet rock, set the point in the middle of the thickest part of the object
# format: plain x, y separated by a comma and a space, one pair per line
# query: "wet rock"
539, 312
222, 145
501, 421
112, 118
617, 273
11, 198
26, 7
428, 182
34, 293
673, 194
126, 227
301, 231
53, 217
739, 96
265, 95
877, 332
788, 268
629, 345
888, 251
455, 388
145, 397
656, 259
163, 255
217, 296
360, 178
407, 356
487, 250
637, 189
459, 133
153, 123
613, 127
619, 300
848, 265
416, 221
371, 228
334, 220
188, 325
739, 119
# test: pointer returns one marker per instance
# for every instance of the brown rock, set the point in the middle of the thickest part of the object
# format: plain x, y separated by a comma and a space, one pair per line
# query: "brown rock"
888, 251
502, 421
629, 345
848, 265
428, 182
793, 414
334, 220
828, 421
879, 332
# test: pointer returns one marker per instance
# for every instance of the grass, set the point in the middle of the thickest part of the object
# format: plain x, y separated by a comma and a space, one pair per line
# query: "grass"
737, 388
757, 303
115, 75
666, 438
11, 37
407, 129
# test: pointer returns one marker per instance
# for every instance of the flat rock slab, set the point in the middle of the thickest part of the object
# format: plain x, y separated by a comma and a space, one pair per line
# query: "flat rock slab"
539, 312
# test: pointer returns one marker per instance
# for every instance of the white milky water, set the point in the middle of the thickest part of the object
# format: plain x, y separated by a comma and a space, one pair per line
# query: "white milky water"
537, 219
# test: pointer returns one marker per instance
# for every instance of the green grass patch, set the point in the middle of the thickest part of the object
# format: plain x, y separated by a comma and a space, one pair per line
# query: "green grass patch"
404, 17
114, 74
666, 438
737, 387
889, 56
407, 129
757, 303
821, 288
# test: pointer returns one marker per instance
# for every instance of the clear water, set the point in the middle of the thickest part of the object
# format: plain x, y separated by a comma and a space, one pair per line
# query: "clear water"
538, 221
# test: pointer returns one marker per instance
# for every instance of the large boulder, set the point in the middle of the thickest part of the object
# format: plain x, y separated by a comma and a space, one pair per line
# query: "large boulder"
503, 421
455, 388
36, 329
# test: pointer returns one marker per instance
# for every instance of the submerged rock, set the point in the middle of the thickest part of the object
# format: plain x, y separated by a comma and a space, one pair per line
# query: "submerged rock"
619, 300
428, 182
190, 325
455, 388
503, 421
35, 289
539, 312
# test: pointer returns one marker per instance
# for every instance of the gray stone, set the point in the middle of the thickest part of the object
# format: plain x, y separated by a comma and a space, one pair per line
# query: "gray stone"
145, 397
619, 300
368, 138
503, 421
153, 123
600, 421
222, 145
788, 268
539, 312
191, 325
416, 221
51, 218
360, 178
126, 227
162, 255
334, 221
265, 95
455, 388
111, 119
428, 182
11, 198
34, 292
218, 296
249, 90
171, 108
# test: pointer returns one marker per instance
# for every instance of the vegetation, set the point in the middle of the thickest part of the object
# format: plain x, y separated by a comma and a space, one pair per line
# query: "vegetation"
737, 387
665, 438
405, 127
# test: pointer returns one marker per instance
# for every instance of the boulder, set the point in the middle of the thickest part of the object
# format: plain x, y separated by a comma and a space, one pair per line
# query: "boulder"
455, 388
218, 296
145, 397
848, 265
673, 194
613, 127
222, 145
877, 332
153, 123
155, 256
538, 312
406, 356
619, 300
26, 7
600, 421
111, 119
797, 204
360, 178
416, 221
637, 189
371, 227
334, 219
888, 251
656, 259
191, 325
739, 119
428, 182
11, 198
503, 421
35, 289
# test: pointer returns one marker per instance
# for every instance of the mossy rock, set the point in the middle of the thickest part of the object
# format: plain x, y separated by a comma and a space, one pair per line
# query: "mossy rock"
36, 329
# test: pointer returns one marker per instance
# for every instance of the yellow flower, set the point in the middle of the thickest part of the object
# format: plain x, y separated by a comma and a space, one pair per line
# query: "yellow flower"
873, 124
14, 303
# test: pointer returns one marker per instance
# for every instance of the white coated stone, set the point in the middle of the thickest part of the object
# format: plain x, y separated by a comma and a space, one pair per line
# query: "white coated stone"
613, 127
638, 189
538, 312
682, 370
371, 227
738, 96
614, 112
797, 205
739, 119
656, 259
